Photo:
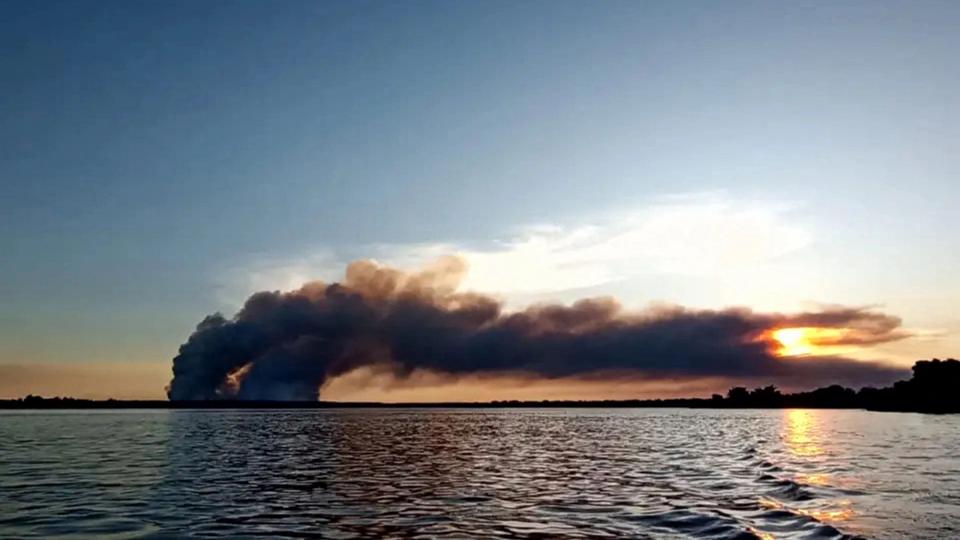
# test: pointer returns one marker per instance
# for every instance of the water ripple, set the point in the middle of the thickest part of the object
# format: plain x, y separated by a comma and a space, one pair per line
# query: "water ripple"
404, 473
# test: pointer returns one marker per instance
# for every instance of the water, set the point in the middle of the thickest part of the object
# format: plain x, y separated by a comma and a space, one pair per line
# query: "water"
545, 473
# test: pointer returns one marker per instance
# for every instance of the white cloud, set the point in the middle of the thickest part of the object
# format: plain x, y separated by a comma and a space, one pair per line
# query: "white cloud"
692, 238
706, 236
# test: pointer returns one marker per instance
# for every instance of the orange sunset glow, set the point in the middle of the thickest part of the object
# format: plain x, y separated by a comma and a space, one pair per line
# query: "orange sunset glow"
806, 341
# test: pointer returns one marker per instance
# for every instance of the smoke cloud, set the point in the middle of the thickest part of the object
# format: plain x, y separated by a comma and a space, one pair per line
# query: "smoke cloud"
284, 345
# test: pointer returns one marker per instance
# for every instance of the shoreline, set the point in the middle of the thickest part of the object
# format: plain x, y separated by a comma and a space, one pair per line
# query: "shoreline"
79, 404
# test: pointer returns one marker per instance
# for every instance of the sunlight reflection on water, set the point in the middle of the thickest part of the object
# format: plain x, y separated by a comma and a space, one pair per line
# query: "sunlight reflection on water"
802, 432
407, 473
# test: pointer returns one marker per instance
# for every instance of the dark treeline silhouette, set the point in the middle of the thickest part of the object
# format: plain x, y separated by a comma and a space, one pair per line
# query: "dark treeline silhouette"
933, 388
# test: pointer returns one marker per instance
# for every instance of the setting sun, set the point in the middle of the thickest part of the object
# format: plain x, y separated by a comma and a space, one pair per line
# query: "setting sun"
792, 341
802, 341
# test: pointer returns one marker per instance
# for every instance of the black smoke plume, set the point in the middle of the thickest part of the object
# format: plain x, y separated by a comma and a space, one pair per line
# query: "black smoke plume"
283, 346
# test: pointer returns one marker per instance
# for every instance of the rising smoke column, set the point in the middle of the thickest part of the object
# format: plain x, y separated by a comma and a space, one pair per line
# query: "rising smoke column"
283, 346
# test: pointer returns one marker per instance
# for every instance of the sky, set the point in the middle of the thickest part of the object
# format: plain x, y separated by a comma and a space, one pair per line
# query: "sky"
161, 161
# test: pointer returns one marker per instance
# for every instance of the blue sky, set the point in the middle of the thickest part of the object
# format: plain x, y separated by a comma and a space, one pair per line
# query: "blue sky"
161, 160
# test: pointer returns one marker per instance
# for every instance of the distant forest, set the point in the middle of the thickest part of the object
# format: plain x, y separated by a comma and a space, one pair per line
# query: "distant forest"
933, 388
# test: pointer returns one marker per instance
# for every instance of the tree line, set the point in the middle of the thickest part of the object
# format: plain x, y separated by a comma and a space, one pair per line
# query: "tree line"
933, 388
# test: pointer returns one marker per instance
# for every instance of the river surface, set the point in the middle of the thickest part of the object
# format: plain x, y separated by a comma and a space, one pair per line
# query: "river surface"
477, 473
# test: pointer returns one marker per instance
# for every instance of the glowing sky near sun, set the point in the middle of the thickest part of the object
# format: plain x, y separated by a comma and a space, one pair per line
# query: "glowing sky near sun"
804, 341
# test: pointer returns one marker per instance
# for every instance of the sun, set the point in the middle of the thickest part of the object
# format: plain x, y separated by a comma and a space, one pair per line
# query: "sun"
794, 341
808, 340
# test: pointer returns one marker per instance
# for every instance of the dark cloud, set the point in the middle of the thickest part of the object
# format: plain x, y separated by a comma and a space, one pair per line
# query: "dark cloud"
285, 345
860, 326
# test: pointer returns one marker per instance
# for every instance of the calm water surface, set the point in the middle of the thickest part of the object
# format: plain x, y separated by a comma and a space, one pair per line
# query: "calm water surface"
548, 473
